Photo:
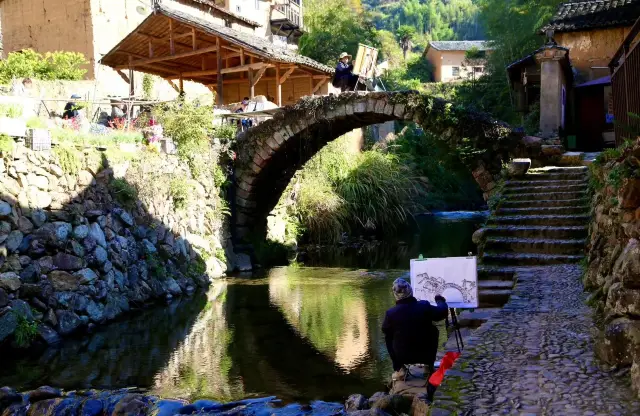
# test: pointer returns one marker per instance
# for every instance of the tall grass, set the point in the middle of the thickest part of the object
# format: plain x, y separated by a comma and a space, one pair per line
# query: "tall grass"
339, 191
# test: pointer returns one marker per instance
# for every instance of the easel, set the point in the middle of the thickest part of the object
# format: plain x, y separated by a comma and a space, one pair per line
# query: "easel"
365, 65
456, 328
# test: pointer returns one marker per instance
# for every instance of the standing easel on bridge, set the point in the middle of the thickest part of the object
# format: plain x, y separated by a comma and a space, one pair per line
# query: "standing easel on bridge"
364, 66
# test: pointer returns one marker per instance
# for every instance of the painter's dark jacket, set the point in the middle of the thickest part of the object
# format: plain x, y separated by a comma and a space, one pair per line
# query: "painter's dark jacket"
343, 71
409, 332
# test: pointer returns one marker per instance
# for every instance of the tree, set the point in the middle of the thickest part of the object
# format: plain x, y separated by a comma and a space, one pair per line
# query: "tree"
405, 35
474, 57
334, 27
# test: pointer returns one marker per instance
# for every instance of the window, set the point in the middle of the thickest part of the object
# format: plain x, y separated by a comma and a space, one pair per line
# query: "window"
478, 69
455, 71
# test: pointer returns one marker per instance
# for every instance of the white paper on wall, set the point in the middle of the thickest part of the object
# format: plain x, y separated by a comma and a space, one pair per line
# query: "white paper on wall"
455, 278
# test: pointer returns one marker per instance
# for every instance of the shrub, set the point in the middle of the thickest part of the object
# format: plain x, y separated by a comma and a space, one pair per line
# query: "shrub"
36, 123
68, 159
6, 143
147, 85
10, 110
179, 189
52, 66
156, 266
125, 193
25, 332
225, 131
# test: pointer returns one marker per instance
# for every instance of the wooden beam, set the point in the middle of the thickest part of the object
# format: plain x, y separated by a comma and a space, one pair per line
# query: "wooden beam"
242, 60
231, 48
252, 85
183, 35
220, 86
256, 76
319, 85
173, 85
199, 73
287, 74
176, 56
181, 85
194, 41
204, 63
311, 85
123, 76
132, 87
150, 49
244, 68
278, 87
172, 48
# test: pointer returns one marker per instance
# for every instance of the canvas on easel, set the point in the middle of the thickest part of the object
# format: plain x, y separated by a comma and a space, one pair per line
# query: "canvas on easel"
455, 278
365, 62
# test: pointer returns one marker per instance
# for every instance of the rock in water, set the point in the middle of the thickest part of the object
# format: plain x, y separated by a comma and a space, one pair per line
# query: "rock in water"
356, 402
48, 335
68, 322
81, 232
5, 209
86, 276
44, 393
64, 261
14, 240
8, 325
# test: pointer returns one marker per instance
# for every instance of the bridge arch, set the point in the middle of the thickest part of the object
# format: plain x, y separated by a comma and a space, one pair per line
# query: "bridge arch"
270, 153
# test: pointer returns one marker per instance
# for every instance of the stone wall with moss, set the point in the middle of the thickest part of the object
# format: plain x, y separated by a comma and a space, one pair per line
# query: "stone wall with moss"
613, 256
87, 235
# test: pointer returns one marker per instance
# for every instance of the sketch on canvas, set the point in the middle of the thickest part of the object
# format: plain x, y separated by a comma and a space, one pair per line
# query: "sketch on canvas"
455, 278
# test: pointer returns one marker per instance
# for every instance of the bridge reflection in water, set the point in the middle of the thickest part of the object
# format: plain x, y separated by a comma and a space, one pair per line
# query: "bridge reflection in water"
299, 333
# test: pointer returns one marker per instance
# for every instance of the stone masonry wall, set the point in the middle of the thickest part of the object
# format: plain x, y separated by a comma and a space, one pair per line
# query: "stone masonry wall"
79, 248
613, 269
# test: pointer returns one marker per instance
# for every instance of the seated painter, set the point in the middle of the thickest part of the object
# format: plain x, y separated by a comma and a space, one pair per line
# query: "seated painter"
408, 329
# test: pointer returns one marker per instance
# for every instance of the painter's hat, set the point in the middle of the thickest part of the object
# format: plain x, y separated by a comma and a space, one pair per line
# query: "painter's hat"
345, 55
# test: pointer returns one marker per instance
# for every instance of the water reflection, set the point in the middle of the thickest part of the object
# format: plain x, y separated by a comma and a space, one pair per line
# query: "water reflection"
442, 234
298, 333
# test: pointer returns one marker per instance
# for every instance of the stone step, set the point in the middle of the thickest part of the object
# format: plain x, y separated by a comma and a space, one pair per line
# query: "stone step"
546, 188
538, 231
559, 169
542, 210
539, 196
544, 176
493, 273
545, 203
529, 259
476, 317
493, 297
575, 219
495, 284
557, 182
534, 245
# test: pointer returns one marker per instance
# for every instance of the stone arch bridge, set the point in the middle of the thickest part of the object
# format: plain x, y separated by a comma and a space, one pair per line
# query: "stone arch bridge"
270, 153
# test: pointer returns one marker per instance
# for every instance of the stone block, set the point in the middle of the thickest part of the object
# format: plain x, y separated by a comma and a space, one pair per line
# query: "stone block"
360, 107
398, 110
388, 109
380, 105
278, 137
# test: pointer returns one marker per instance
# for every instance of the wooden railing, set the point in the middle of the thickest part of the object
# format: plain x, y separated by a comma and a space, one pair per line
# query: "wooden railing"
291, 10
625, 86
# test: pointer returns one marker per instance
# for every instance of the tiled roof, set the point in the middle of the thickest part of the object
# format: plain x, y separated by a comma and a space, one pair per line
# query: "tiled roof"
210, 3
593, 14
460, 45
249, 41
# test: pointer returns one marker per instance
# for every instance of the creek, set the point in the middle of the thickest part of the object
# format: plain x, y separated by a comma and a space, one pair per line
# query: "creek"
300, 333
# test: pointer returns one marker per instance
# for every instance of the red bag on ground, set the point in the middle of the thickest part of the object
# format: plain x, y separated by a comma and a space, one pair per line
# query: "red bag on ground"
446, 363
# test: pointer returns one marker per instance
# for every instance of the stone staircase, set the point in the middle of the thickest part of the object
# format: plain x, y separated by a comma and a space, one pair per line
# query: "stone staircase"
543, 219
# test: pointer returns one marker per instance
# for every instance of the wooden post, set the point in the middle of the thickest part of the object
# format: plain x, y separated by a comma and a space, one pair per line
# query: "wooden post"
204, 63
310, 85
150, 49
193, 38
252, 87
242, 60
132, 87
181, 85
172, 46
278, 87
219, 91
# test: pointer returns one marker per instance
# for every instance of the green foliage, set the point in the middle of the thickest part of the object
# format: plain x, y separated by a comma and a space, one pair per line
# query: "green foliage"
225, 131
617, 174
191, 127
26, 331
389, 48
10, 110
180, 189
125, 193
147, 86
532, 120
6, 143
334, 27
219, 177
74, 137
51, 66
412, 76
36, 123
156, 266
221, 255
69, 159
197, 267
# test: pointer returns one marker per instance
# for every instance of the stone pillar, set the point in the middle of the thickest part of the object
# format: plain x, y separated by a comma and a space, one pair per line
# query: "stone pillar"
552, 80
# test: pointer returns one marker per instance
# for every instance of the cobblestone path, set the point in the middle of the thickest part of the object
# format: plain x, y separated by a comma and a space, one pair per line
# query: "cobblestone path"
535, 357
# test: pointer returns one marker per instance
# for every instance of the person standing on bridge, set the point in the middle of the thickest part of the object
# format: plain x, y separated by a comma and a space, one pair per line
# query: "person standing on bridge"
344, 78
408, 329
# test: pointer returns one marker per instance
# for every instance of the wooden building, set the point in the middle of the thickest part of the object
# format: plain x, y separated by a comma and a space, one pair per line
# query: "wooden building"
178, 46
